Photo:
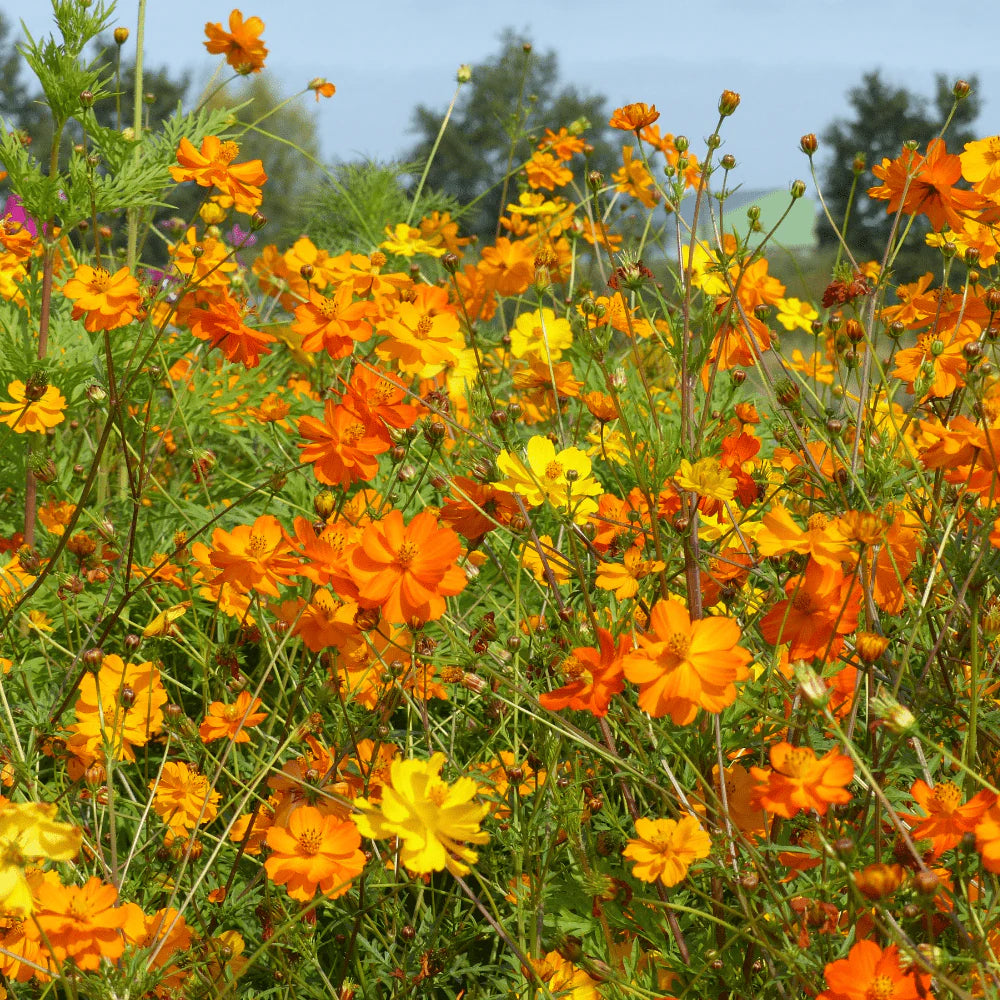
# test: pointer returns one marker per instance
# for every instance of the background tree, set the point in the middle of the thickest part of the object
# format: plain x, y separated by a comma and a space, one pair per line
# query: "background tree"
509, 103
884, 116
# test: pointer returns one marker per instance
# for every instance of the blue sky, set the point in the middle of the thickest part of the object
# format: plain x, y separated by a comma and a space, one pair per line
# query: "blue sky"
792, 62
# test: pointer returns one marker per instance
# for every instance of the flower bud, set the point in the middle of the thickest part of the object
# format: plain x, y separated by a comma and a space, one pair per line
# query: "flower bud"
87, 98
728, 162
895, 717
464, 74
961, 90
798, 189
859, 163
681, 143
809, 144
121, 36
714, 141
257, 222
728, 103
971, 256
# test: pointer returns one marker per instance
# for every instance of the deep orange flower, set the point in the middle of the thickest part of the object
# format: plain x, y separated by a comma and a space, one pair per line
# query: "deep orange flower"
322, 88
106, 301
254, 556
83, 923
873, 973
507, 268
241, 45
592, 677
343, 448
800, 782
988, 838
477, 508
213, 165
948, 818
920, 185
232, 721
821, 608
683, 665
380, 397
333, 324
314, 851
221, 324
632, 117
407, 569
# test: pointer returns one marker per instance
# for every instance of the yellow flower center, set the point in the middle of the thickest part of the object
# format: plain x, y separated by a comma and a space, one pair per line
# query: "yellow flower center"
378, 259
571, 668
380, 393
880, 988
818, 522
406, 553
231, 713
679, 644
553, 470
310, 842
947, 797
101, 279
424, 326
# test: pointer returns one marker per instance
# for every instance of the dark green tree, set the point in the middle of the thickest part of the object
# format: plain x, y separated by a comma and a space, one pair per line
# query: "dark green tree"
884, 116
498, 120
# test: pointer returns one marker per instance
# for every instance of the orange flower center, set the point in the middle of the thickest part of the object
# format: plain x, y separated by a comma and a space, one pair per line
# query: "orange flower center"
228, 152
101, 279
354, 433
257, 545
802, 602
797, 762
310, 841
406, 553
380, 393
679, 644
571, 668
437, 792
378, 259
880, 988
818, 522
424, 326
947, 797
231, 713
327, 307
553, 470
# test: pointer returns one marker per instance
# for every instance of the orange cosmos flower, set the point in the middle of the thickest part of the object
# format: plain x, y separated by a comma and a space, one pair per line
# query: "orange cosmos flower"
477, 508
322, 88
221, 324
241, 45
822, 539
407, 569
988, 838
232, 721
333, 324
106, 301
872, 973
592, 677
822, 607
800, 782
507, 268
83, 923
314, 851
919, 185
634, 179
948, 818
632, 117
213, 165
665, 848
183, 799
343, 448
254, 557
685, 665
32, 412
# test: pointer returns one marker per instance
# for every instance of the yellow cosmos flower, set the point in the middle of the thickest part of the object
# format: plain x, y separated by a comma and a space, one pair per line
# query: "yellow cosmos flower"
432, 820
794, 313
563, 478
35, 414
28, 832
540, 334
705, 271
531, 560
707, 478
406, 241
666, 848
